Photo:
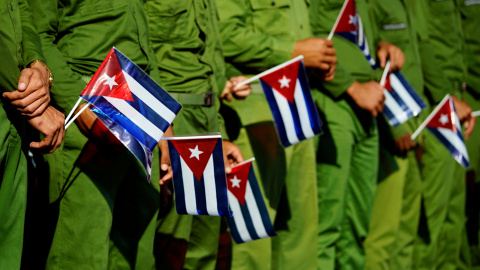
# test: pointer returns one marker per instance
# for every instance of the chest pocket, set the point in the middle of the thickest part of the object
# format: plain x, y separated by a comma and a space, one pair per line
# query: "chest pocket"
471, 9
89, 7
442, 7
168, 20
271, 16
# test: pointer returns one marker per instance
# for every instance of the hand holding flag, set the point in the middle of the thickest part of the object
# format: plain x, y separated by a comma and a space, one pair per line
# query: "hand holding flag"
445, 125
250, 220
199, 175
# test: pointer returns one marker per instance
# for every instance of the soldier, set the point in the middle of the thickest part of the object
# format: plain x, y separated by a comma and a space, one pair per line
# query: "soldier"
20, 50
347, 154
258, 35
103, 207
187, 45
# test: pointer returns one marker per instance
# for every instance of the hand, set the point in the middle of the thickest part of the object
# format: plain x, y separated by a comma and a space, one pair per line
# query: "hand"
387, 50
51, 123
166, 173
404, 143
464, 115
231, 155
368, 96
85, 120
330, 75
33, 95
317, 52
231, 91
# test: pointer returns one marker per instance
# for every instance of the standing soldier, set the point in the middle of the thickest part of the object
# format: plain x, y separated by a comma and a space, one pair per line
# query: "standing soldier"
20, 50
347, 153
186, 41
258, 35
103, 207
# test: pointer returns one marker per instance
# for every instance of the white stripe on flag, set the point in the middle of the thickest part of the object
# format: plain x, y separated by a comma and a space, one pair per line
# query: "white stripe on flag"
238, 217
396, 110
302, 111
286, 113
404, 94
254, 212
136, 117
189, 188
210, 188
149, 99
455, 140
360, 34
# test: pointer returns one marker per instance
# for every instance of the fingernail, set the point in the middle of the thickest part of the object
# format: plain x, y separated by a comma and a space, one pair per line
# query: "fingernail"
21, 85
164, 167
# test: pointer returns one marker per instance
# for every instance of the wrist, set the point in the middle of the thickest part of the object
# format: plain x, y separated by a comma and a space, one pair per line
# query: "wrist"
41, 64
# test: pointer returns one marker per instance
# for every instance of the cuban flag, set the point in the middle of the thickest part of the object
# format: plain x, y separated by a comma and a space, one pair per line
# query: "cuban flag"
444, 124
250, 220
349, 25
135, 108
401, 100
288, 95
199, 175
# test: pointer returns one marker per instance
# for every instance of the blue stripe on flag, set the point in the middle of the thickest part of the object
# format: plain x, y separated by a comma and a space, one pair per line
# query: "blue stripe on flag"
401, 103
114, 114
260, 202
454, 151
315, 121
150, 114
410, 89
390, 116
200, 196
220, 182
143, 79
276, 113
178, 183
234, 230
296, 121
248, 221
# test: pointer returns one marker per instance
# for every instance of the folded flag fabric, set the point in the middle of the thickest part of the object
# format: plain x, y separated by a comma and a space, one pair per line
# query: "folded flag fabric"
250, 220
136, 105
199, 175
443, 122
349, 26
288, 94
401, 100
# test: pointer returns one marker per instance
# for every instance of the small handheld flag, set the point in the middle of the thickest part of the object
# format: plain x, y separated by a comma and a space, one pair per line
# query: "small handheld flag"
250, 220
125, 94
349, 26
443, 122
401, 100
199, 175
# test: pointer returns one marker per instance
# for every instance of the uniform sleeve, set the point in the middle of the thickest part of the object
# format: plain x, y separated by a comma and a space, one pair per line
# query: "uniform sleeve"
244, 47
32, 49
67, 84
9, 73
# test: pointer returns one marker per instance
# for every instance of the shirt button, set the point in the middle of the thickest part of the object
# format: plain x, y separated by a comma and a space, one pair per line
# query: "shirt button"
301, 26
273, 3
171, 10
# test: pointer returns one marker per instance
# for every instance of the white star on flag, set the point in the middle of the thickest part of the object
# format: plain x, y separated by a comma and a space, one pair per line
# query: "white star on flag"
353, 20
111, 81
195, 152
443, 119
235, 182
284, 82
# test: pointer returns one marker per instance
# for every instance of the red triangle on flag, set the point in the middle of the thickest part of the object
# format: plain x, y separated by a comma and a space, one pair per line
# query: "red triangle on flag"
388, 85
109, 80
444, 118
349, 18
195, 153
284, 80
237, 181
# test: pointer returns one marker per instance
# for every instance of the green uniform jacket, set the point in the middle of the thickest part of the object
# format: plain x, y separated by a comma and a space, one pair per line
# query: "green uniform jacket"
470, 10
77, 36
187, 44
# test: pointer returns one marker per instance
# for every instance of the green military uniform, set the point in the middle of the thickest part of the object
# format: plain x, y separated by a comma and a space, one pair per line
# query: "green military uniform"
106, 208
443, 178
347, 157
470, 21
19, 45
187, 45
396, 208
258, 35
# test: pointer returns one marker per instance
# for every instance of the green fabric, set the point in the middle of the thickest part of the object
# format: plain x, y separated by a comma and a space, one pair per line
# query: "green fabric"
99, 222
257, 35
187, 46
347, 153
19, 45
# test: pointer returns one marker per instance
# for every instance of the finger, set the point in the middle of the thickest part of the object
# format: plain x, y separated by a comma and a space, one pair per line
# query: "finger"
469, 126
329, 59
167, 177
14, 95
382, 57
34, 109
330, 52
328, 43
322, 66
24, 79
